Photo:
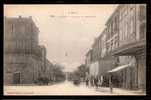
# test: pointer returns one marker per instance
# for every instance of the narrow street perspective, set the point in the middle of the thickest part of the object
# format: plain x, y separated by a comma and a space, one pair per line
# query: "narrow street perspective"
75, 49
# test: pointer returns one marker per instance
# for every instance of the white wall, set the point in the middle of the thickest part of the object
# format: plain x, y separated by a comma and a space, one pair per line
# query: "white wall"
94, 69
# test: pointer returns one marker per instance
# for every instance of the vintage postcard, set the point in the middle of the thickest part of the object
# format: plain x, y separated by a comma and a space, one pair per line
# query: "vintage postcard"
83, 49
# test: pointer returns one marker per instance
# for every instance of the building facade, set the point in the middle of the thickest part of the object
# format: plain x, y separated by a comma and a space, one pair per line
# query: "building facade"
110, 37
106, 61
123, 42
88, 59
132, 44
22, 54
49, 68
101, 58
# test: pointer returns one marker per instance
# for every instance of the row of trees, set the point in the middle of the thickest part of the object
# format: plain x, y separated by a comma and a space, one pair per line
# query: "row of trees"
79, 74
58, 73
54, 75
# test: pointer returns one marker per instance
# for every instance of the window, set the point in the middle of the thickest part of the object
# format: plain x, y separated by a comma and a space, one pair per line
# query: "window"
133, 20
116, 24
12, 28
16, 43
131, 25
16, 78
123, 33
142, 12
143, 31
21, 28
112, 28
116, 41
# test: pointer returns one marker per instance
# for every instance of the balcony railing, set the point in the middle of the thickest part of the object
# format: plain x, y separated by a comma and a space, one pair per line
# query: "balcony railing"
130, 38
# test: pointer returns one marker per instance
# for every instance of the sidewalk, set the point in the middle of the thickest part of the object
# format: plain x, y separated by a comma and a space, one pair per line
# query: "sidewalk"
119, 91
116, 91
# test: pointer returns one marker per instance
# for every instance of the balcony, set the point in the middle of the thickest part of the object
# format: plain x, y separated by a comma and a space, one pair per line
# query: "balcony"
132, 48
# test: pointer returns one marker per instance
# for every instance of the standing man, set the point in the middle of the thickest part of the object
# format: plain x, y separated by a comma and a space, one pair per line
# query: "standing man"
110, 83
87, 81
100, 80
96, 81
91, 81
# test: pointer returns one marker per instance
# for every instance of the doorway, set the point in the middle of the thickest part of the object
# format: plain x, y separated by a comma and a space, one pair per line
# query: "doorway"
16, 78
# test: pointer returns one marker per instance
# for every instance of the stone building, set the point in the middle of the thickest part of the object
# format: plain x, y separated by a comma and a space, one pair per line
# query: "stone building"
111, 33
22, 54
121, 47
95, 55
88, 58
106, 62
109, 39
49, 68
101, 58
132, 44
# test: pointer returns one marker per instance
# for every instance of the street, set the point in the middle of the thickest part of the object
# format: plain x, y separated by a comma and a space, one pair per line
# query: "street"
64, 88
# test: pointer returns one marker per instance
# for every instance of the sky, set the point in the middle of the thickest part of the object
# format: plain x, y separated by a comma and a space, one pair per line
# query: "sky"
67, 31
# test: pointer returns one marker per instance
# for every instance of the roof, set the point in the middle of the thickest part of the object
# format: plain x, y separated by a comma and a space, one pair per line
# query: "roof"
21, 19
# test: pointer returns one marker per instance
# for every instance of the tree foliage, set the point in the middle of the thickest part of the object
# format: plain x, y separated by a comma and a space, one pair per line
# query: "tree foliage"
58, 72
80, 72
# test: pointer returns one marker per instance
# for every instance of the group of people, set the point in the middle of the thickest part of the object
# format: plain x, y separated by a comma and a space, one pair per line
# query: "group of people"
98, 81
94, 81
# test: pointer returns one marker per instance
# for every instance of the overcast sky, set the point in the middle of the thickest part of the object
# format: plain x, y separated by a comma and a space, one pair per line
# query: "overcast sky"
67, 31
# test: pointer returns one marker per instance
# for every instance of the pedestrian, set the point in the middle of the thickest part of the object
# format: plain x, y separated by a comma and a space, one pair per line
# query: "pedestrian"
87, 82
110, 84
96, 82
93, 84
91, 81
100, 80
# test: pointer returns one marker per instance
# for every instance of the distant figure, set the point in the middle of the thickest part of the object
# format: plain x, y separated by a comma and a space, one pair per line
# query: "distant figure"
96, 82
100, 81
87, 82
110, 84
92, 81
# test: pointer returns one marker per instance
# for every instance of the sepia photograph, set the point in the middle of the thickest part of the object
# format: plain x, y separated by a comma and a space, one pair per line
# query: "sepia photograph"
83, 49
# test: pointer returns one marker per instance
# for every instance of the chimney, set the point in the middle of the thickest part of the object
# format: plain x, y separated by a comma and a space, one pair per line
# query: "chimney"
20, 17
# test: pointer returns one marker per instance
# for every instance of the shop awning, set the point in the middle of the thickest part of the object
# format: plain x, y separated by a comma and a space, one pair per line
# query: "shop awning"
119, 68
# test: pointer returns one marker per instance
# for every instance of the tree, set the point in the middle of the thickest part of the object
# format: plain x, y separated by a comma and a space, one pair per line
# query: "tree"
58, 72
82, 69
80, 72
